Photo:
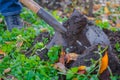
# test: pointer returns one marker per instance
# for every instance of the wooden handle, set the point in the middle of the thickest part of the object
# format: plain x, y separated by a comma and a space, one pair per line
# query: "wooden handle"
31, 5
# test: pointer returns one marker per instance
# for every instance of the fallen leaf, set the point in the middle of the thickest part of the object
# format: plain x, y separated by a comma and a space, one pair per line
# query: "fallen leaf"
96, 7
81, 68
104, 63
3, 53
75, 79
82, 72
59, 66
8, 42
71, 56
62, 57
44, 30
19, 44
118, 25
106, 10
98, 21
91, 18
108, 3
115, 5
7, 70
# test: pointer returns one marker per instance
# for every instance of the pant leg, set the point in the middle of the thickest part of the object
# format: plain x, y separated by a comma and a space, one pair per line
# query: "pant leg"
10, 7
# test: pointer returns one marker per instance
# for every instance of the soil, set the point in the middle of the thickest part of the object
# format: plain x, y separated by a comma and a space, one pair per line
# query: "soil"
83, 38
114, 37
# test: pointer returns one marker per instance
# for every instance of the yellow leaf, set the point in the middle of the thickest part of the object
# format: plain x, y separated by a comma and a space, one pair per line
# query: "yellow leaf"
104, 63
106, 10
98, 21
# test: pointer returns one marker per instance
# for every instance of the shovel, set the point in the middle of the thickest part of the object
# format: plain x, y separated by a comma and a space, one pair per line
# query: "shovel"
49, 19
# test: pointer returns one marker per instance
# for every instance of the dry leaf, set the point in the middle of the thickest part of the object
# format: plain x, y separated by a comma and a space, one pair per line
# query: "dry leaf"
96, 7
106, 10
3, 53
108, 3
71, 56
81, 68
59, 66
82, 72
44, 30
118, 25
75, 79
62, 57
91, 18
19, 44
7, 70
98, 21
8, 42
104, 63
115, 5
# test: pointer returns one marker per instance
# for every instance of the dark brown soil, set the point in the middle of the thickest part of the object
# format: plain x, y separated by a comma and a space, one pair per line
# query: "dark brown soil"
83, 37
114, 37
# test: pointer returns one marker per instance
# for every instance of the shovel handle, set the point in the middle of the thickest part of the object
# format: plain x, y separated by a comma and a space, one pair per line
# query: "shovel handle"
48, 18
31, 5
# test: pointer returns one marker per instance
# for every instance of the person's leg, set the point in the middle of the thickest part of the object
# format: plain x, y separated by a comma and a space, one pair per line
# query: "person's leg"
11, 9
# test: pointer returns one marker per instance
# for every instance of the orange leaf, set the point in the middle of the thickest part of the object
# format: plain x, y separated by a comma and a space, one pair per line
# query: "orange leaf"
81, 68
71, 56
96, 7
118, 25
104, 63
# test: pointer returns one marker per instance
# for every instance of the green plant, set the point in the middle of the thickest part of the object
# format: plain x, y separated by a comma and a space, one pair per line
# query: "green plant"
53, 53
117, 46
